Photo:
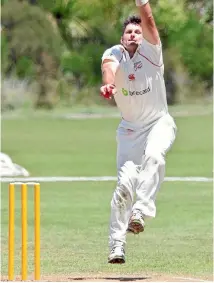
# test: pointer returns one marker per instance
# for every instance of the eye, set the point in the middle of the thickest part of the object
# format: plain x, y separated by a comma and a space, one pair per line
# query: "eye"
138, 31
129, 31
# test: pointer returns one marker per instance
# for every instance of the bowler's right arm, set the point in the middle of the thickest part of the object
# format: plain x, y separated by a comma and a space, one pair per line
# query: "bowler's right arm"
109, 68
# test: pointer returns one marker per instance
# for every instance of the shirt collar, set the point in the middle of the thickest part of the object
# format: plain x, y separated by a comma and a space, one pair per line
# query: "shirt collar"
127, 53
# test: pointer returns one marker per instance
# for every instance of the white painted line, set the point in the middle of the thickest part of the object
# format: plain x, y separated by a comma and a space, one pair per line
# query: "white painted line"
57, 179
95, 179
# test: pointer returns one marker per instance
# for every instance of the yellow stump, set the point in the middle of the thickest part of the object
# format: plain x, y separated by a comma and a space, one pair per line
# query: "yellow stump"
24, 231
37, 230
11, 232
24, 220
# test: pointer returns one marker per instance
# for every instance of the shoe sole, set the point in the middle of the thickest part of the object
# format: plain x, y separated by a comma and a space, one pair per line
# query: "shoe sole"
135, 227
117, 260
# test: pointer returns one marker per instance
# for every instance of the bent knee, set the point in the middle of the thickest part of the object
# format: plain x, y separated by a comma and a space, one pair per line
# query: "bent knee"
127, 168
155, 158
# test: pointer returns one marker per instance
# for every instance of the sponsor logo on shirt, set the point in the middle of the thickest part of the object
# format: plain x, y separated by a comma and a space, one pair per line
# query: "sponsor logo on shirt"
131, 77
132, 93
125, 92
138, 65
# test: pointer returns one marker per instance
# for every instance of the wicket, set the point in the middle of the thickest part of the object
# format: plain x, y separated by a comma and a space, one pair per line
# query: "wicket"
11, 240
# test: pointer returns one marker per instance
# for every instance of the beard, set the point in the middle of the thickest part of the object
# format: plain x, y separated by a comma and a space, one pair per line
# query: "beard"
130, 45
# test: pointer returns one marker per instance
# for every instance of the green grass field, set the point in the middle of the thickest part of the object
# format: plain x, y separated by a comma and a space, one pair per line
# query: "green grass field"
75, 216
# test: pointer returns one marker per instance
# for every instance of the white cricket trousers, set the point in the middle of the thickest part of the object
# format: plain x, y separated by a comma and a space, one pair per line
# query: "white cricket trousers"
141, 170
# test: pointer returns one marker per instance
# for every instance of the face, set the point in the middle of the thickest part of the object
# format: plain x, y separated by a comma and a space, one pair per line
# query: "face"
132, 37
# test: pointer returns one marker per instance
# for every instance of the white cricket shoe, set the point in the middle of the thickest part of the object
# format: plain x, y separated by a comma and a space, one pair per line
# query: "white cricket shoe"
136, 222
117, 255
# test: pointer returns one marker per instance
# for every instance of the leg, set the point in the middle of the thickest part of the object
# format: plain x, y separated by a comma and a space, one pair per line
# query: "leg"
122, 201
159, 141
121, 207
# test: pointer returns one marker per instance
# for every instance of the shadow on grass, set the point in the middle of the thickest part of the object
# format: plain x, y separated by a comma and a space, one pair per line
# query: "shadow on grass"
122, 279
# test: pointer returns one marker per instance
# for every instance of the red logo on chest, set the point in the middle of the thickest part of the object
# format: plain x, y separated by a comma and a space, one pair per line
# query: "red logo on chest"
131, 77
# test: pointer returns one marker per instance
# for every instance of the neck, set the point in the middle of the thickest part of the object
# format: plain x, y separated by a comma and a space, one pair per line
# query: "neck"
131, 51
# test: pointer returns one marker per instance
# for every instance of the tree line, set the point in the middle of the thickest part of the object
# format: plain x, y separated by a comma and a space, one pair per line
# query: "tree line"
55, 46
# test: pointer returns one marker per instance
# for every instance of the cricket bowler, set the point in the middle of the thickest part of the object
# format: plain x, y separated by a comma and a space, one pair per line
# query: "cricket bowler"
133, 74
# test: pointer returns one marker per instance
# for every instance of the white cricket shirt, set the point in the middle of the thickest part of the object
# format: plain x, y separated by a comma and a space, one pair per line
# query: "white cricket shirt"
141, 93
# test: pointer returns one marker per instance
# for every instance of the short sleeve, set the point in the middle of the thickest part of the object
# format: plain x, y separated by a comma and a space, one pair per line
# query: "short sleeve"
152, 52
114, 53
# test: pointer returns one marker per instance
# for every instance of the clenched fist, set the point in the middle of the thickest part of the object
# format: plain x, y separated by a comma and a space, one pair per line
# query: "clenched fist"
107, 91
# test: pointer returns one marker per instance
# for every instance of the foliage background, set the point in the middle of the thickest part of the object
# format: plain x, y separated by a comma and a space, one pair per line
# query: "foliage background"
51, 49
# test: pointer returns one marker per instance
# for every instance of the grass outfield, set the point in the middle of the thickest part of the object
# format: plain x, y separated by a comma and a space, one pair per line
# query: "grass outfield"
62, 147
74, 229
75, 216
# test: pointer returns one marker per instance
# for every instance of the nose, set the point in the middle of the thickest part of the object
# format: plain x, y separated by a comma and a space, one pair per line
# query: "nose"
132, 36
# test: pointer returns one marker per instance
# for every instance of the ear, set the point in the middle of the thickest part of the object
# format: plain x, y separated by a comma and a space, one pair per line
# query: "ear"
121, 40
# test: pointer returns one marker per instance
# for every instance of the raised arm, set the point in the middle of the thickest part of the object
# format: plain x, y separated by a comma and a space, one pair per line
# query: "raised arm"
150, 32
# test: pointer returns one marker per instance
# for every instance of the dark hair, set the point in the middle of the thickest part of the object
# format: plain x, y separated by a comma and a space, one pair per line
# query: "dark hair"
136, 20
